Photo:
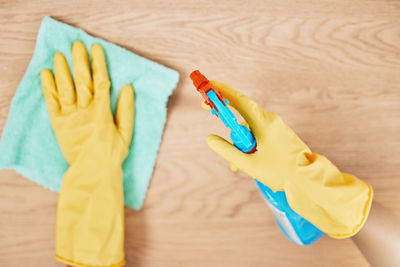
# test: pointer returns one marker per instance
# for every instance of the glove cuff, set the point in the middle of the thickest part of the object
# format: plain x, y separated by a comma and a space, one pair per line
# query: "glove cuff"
337, 203
90, 215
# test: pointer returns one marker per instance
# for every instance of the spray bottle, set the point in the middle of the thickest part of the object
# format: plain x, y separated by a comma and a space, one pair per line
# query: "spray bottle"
295, 227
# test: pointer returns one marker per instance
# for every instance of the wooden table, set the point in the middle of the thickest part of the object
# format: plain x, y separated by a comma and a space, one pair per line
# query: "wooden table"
331, 69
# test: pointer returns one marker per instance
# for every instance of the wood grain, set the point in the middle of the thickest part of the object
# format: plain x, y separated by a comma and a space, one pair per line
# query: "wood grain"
331, 69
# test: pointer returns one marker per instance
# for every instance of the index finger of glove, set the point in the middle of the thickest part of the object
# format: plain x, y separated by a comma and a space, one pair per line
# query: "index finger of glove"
250, 111
101, 80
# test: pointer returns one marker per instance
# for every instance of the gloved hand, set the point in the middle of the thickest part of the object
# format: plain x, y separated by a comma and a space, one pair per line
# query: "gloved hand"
335, 202
90, 214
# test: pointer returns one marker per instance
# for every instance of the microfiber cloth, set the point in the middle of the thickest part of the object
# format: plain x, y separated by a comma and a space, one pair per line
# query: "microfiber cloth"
29, 145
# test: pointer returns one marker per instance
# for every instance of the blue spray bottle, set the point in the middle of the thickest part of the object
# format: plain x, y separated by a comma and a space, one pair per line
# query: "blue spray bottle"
295, 227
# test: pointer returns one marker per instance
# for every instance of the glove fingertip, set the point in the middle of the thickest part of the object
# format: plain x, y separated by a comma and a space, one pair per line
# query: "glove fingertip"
50, 91
127, 97
226, 150
126, 112
127, 90
205, 106
233, 167
213, 140
96, 48
78, 44
45, 75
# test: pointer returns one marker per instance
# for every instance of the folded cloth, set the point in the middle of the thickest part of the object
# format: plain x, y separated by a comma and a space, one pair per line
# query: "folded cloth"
29, 145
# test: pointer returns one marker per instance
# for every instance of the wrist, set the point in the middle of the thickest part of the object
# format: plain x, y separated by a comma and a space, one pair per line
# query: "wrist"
92, 171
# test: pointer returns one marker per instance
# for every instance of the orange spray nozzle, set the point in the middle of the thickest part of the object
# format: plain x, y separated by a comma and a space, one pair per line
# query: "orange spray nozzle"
198, 79
203, 85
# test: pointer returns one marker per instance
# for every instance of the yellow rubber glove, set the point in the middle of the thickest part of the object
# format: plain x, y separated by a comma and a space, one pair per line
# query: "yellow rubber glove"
337, 203
90, 214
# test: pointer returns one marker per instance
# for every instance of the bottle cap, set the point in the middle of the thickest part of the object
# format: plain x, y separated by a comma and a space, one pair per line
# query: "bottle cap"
198, 79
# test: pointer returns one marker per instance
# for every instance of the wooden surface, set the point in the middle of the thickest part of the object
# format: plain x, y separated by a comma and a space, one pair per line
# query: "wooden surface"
331, 69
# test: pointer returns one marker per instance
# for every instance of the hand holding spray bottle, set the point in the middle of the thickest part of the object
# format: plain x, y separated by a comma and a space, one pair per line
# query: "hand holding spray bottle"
295, 227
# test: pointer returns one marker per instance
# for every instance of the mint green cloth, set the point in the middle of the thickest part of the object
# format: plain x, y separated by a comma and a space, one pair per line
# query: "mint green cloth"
29, 145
